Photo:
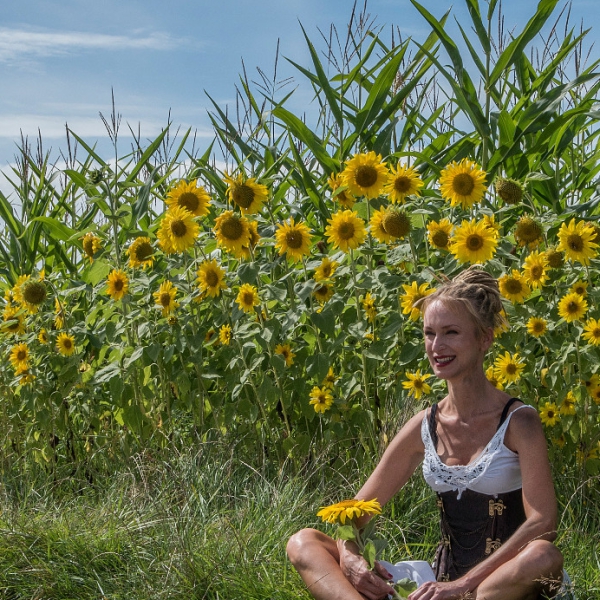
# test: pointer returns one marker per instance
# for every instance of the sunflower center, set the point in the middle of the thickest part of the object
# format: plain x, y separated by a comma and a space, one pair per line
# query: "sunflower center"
178, 228
14, 325
551, 414
189, 201
165, 299
596, 333
418, 384
248, 299
294, 239
232, 229
536, 272
143, 251
34, 292
396, 224
67, 344
326, 270
21, 355
474, 242
579, 290
513, 286
346, 230
366, 176
575, 243
538, 327
511, 369
212, 279
243, 195
572, 307
555, 259
402, 184
463, 184
440, 238
321, 290
118, 284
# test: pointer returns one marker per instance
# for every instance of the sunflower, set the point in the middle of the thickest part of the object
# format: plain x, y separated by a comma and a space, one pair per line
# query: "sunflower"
19, 355
179, 227
247, 298
211, 278
389, 224
534, 269
366, 175
491, 223
591, 332
412, 293
14, 321
595, 394
580, 287
403, 181
65, 344
190, 196
514, 287
330, 379
232, 232
509, 190
416, 383
549, 414
438, 233
462, 183
25, 375
321, 399
491, 377
576, 241
528, 232
555, 258
293, 239
253, 238
508, 368
141, 253
537, 326
323, 292
348, 510
117, 283
32, 294
325, 270
473, 242
369, 307
91, 244
285, 350
572, 306
567, 406
225, 334
340, 192
246, 193
165, 298
346, 230
43, 337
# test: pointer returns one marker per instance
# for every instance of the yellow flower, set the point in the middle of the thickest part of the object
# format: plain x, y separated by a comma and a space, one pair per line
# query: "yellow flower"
365, 175
348, 510
508, 368
285, 350
576, 241
189, 196
549, 414
591, 332
293, 239
595, 394
528, 232
65, 344
141, 253
369, 307
389, 224
211, 278
403, 181
19, 355
580, 287
572, 306
24, 374
225, 334
514, 287
330, 379
534, 269
91, 244
179, 228
42, 336
567, 406
59, 314
491, 377
462, 183
14, 321
412, 293
342, 196
346, 230
323, 292
473, 242
491, 223
118, 284
555, 258
325, 270
438, 233
416, 383
232, 232
246, 193
165, 298
321, 399
537, 326
247, 298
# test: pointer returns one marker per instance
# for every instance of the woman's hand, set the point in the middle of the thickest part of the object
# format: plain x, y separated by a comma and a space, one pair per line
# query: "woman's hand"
371, 584
435, 590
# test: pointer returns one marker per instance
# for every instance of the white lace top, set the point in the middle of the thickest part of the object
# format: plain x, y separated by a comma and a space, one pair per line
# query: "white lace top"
495, 471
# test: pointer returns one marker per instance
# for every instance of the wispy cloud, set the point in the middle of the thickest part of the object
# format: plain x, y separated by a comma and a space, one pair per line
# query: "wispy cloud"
21, 43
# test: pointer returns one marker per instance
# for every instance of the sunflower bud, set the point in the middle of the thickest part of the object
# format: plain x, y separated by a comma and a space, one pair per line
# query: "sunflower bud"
509, 190
34, 292
396, 223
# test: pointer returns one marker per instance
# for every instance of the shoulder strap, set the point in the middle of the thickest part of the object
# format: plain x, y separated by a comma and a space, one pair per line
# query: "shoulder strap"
505, 411
433, 425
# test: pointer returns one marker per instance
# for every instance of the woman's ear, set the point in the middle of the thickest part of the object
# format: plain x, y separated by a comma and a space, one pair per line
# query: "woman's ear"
487, 339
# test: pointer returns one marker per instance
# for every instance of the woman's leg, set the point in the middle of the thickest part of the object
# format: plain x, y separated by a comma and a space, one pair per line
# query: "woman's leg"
316, 558
536, 569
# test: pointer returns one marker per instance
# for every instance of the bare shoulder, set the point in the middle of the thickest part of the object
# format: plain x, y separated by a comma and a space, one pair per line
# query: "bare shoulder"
525, 429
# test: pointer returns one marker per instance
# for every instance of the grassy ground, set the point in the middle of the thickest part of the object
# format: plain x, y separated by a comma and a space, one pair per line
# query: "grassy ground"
207, 524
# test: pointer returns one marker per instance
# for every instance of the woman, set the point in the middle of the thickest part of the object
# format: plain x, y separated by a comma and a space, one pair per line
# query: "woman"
485, 456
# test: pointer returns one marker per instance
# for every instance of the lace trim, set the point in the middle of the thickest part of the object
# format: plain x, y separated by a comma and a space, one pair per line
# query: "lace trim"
460, 477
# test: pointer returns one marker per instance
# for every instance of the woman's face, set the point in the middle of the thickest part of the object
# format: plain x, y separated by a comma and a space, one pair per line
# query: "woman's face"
454, 344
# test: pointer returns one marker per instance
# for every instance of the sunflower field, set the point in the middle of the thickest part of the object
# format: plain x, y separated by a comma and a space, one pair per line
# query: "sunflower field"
263, 287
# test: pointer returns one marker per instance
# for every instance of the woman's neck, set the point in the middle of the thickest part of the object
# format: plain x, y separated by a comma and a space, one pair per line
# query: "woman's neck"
470, 396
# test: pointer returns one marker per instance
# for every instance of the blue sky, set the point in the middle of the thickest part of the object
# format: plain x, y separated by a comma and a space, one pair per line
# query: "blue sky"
60, 59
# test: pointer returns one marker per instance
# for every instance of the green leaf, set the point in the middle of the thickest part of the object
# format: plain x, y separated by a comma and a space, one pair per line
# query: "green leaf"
346, 532
58, 229
317, 366
370, 554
